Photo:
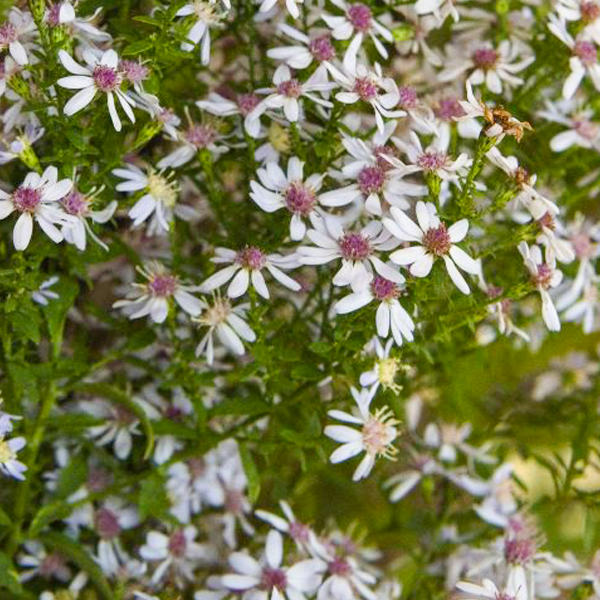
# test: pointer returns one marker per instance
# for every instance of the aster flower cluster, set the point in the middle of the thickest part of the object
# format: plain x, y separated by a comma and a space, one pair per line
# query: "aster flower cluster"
299, 300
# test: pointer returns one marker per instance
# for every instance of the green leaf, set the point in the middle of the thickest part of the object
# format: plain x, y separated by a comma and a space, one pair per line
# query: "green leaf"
8, 575
139, 47
56, 311
251, 471
48, 514
75, 552
26, 321
153, 499
147, 20
72, 476
241, 406
4, 519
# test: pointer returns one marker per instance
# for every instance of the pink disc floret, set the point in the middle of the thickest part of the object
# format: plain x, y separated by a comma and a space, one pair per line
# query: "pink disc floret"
251, 258
300, 199
26, 199
354, 246
360, 16
437, 240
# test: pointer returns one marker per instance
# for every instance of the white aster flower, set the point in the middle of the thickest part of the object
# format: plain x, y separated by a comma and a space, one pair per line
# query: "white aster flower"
385, 370
244, 105
228, 324
37, 199
544, 275
154, 296
101, 74
269, 579
79, 206
158, 202
298, 195
375, 435
63, 14
434, 240
246, 269
358, 21
16, 31
371, 87
391, 317
206, 16
355, 249
290, 5
9, 464
301, 533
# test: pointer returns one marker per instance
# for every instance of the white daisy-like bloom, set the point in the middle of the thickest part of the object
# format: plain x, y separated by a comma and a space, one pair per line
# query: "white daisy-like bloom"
299, 196
375, 434
178, 554
434, 240
244, 105
269, 579
379, 182
290, 5
432, 159
102, 75
9, 463
289, 91
79, 206
493, 66
584, 59
581, 130
63, 14
488, 590
36, 199
16, 31
585, 11
362, 84
158, 202
544, 275
357, 251
22, 143
301, 533
440, 9
246, 269
299, 57
358, 21
385, 370
228, 324
391, 317
206, 16
110, 520
499, 503
153, 297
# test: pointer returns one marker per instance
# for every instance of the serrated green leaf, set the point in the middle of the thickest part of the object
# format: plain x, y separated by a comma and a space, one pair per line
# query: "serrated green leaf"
138, 47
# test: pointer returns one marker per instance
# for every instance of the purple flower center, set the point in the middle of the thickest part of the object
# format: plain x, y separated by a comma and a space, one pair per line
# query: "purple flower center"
384, 289
381, 152
485, 58
162, 285
432, 161
98, 480
177, 544
291, 88
519, 550
366, 88
408, 97
339, 566
360, 17
544, 276
586, 51
586, 129
52, 565
106, 78
173, 413
134, 71
371, 180
75, 203
107, 524
273, 578
437, 240
300, 199
322, 48
53, 14
251, 258
299, 531
26, 199
354, 246
448, 109
200, 136
247, 103
590, 11
8, 34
